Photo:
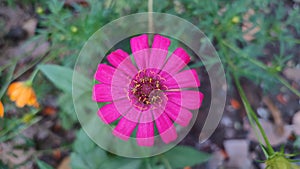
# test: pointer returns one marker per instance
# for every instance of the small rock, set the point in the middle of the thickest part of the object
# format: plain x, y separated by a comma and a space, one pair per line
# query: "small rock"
292, 73
237, 151
296, 123
263, 113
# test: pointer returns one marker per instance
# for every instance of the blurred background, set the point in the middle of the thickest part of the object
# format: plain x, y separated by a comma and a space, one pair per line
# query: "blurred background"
258, 42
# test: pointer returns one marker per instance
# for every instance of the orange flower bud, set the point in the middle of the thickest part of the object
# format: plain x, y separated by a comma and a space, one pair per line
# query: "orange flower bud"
22, 94
1, 110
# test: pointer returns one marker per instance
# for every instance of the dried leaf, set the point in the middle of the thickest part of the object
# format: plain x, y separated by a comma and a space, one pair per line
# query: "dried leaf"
248, 27
65, 164
292, 73
270, 131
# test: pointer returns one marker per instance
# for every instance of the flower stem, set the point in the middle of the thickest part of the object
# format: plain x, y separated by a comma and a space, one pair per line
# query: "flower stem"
250, 111
150, 17
32, 76
166, 162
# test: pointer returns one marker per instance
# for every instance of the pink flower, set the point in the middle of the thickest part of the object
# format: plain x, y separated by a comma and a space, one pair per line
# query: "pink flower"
153, 91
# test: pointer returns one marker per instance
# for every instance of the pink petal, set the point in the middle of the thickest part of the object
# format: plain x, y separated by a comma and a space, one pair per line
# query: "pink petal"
133, 115
116, 57
118, 92
124, 129
139, 46
145, 134
120, 79
146, 116
159, 51
166, 129
108, 113
104, 73
122, 62
157, 112
188, 98
102, 93
184, 79
177, 61
106, 93
178, 114
123, 106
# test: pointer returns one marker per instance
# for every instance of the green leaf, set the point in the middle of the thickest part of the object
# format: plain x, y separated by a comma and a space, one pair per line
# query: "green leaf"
83, 143
121, 163
55, 6
67, 113
61, 77
86, 153
43, 165
182, 156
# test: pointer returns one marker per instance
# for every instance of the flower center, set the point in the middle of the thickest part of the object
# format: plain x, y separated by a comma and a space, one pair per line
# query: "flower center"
146, 89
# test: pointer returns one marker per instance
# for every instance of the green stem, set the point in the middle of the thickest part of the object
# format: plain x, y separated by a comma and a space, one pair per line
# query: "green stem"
250, 111
283, 81
32, 76
166, 162
234, 68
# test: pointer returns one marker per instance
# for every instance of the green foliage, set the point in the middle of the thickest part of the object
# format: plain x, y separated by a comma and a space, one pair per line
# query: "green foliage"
88, 155
60, 76
68, 29
43, 165
10, 128
191, 157
297, 142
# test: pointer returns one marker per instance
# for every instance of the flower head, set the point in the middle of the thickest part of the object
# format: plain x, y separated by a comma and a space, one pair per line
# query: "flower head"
23, 94
1, 110
152, 92
235, 20
279, 161
39, 10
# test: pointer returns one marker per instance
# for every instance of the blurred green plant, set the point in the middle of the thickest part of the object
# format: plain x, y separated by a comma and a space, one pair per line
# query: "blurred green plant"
243, 53
88, 155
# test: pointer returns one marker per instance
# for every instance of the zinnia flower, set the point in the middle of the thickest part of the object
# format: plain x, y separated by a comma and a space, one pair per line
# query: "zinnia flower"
1, 110
149, 94
23, 94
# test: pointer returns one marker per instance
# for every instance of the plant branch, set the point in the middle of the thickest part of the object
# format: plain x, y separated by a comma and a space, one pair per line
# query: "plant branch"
250, 111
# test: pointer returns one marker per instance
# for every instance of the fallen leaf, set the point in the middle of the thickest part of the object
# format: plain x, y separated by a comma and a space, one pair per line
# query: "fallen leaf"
49, 111
56, 154
235, 104
65, 164
30, 26
248, 27
280, 97
13, 157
